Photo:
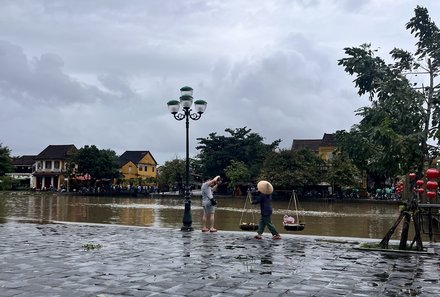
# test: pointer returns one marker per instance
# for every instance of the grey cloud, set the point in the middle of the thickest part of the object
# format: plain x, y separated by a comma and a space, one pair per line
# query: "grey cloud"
42, 79
292, 91
100, 72
117, 83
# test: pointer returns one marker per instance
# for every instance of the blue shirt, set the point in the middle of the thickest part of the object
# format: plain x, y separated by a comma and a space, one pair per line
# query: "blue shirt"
265, 202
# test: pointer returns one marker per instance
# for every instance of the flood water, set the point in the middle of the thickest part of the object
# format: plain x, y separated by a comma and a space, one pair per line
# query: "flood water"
341, 219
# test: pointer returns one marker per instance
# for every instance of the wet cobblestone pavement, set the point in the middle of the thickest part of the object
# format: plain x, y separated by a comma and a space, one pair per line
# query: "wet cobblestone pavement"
51, 260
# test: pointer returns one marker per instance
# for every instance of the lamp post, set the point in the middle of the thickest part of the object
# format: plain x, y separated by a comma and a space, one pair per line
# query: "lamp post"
186, 101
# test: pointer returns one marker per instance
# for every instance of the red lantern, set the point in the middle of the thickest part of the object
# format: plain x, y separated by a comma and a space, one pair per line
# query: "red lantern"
432, 173
432, 185
431, 195
420, 190
420, 182
412, 176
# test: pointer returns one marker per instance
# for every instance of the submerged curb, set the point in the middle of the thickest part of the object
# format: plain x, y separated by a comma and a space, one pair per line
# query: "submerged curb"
427, 251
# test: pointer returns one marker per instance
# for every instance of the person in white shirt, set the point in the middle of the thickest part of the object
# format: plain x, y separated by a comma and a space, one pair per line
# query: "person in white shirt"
208, 204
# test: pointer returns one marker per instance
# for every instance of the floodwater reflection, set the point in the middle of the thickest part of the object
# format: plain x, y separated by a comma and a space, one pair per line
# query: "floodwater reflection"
349, 219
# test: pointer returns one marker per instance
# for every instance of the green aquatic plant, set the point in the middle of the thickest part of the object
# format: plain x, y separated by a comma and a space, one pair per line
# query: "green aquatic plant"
91, 246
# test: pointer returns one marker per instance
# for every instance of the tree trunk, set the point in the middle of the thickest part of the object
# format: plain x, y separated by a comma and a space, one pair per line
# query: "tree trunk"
405, 229
417, 228
384, 243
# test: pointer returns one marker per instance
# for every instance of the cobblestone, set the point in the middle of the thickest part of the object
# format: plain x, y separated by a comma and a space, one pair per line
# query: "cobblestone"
50, 260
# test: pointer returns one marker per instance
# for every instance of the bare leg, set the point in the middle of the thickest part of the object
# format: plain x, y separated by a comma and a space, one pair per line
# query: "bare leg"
204, 217
212, 220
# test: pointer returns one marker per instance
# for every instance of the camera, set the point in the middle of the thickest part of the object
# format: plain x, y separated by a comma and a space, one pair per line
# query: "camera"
213, 202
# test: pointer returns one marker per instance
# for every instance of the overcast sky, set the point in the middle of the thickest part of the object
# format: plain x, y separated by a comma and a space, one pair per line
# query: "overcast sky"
101, 72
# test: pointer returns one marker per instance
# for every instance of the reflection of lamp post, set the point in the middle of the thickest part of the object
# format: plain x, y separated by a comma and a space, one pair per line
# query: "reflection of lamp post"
186, 101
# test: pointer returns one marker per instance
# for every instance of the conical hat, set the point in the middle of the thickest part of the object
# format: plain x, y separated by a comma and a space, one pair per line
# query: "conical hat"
265, 187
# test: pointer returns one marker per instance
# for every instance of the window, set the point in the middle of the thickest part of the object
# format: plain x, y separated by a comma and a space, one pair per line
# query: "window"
152, 168
48, 165
39, 165
140, 167
146, 168
129, 168
56, 165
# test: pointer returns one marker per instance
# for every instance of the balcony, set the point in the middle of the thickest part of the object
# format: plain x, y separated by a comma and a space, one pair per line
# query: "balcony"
47, 170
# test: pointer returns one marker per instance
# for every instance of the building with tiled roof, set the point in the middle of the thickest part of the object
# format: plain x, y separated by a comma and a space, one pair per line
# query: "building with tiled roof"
23, 167
137, 165
323, 147
327, 147
311, 144
23, 164
50, 166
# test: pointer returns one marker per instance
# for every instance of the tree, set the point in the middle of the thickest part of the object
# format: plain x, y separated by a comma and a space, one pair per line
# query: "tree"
171, 174
217, 152
342, 171
99, 164
387, 139
237, 172
5, 160
403, 116
289, 169
109, 167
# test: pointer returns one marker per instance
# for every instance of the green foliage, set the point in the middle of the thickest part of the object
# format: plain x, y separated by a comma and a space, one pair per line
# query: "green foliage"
5, 183
91, 246
172, 173
342, 172
237, 172
217, 152
392, 137
379, 150
289, 169
99, 164
108, 164
5, 160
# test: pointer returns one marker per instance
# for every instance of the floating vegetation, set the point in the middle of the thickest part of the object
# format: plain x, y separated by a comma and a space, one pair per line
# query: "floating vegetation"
91, 246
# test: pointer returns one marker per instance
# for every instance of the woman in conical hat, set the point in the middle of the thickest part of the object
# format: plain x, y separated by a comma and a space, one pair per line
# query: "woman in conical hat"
265, 187
264, 198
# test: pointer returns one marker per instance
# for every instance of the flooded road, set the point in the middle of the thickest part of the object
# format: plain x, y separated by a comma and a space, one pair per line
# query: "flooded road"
348, 219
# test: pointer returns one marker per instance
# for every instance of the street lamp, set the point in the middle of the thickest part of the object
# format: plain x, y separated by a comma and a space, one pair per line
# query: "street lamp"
186, 101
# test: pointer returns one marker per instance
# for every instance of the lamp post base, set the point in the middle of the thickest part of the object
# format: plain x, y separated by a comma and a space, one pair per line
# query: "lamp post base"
187, 217
187, 228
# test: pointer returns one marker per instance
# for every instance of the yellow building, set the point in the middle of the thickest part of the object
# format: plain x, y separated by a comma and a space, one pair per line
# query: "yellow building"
137, 165
324, 147
327, 147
